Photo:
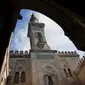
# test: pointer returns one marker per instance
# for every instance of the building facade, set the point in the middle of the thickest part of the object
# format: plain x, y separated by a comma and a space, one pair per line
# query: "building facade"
41, 66
4, 72
79, 71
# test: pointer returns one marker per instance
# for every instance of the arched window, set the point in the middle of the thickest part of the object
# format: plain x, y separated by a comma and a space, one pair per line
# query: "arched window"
69, 71
66, 72
16, 78
22, 77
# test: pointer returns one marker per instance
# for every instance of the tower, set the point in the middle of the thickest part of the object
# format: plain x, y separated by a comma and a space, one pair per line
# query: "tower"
37, 35
45, 67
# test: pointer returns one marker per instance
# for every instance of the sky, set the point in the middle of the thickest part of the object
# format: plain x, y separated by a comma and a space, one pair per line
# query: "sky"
54, 34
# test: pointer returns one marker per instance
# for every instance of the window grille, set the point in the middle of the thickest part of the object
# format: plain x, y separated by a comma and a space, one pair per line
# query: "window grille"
16, 78
48, 80
23, 77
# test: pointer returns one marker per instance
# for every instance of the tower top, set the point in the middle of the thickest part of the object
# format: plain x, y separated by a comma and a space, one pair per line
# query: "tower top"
33, 18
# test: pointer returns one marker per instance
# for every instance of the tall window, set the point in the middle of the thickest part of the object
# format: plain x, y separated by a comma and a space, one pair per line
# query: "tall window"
16, 78
48, 80
69, 71
22, 77
66, 72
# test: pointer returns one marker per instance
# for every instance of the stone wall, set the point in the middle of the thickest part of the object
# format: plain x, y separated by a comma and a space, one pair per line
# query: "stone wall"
19, 62
43, 66
79, 71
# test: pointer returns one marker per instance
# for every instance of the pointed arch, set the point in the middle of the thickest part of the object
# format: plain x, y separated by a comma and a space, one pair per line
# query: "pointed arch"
50, 76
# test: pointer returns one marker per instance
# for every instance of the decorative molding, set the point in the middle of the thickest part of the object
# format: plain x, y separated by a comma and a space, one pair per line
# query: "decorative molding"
44, 56
53, 51
48, 69
19, 56
37, 25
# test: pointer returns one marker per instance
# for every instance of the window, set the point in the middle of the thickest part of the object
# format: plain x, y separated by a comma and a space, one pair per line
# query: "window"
16, 78
22, 77
69, 71
39, 36
48, 80
66, 72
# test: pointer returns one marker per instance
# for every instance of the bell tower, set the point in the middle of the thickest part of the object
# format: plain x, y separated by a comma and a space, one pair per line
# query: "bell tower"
37, 35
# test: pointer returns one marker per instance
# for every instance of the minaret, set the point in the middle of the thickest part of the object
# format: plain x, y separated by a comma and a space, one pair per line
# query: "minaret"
37, 35
43, 60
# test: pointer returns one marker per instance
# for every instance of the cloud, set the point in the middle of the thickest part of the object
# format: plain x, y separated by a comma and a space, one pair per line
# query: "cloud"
20, 41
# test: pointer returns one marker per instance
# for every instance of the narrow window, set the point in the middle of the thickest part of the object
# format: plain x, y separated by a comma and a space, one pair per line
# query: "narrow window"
50, 81
66, 72
16, 78
69, 71
23, 77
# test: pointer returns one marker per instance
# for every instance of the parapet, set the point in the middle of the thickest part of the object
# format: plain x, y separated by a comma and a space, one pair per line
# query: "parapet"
18, 52
80, 66
68, 53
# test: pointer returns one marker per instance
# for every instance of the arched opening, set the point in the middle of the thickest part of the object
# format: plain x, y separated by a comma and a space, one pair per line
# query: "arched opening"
48, 80
51, 16
9, 18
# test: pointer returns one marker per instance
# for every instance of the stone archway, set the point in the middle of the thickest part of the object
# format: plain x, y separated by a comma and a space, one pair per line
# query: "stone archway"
50, 76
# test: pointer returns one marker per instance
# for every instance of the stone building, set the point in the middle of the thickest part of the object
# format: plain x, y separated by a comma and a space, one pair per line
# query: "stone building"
68, 60
4, 72
41, 66
79, 72
20, 68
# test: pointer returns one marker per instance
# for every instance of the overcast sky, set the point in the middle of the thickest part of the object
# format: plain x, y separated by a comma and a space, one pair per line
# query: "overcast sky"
53, 32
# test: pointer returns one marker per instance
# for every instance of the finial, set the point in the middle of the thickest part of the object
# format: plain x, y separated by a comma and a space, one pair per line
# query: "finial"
33, 18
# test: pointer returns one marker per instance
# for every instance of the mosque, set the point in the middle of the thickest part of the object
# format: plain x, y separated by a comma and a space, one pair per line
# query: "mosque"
41, 66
